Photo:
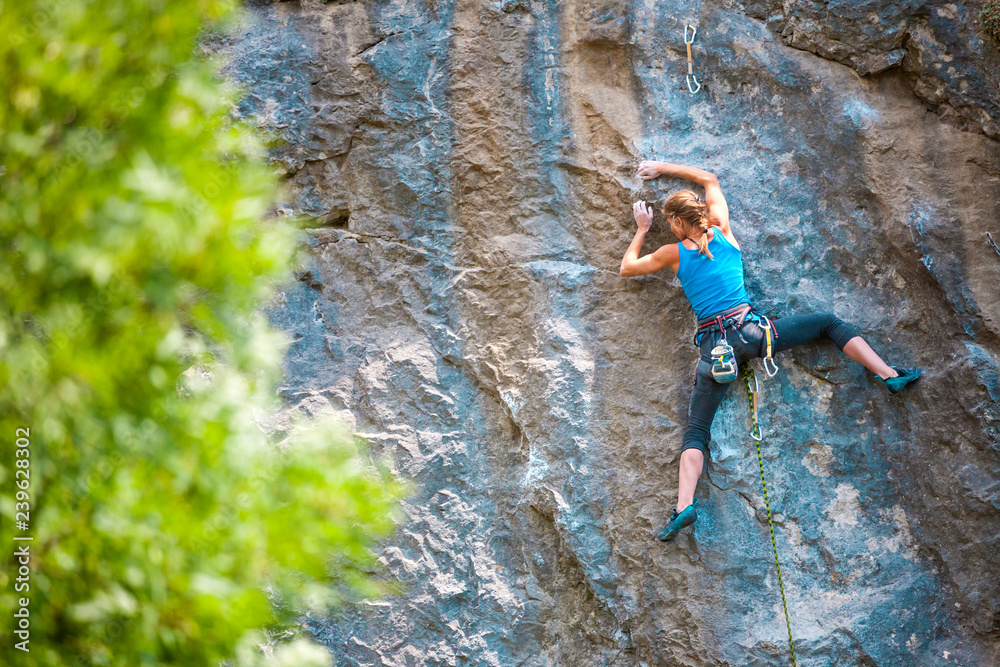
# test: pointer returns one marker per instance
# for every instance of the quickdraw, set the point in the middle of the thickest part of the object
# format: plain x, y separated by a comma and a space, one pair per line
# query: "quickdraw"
768, 359
748, 375
687, 43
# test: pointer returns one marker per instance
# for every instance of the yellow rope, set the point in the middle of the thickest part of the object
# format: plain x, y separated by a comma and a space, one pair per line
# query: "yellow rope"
748, 375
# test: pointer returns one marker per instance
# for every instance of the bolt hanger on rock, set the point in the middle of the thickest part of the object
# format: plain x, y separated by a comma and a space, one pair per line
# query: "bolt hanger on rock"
687, 42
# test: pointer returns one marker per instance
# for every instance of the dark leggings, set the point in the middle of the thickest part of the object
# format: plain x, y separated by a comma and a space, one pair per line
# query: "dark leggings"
792, 331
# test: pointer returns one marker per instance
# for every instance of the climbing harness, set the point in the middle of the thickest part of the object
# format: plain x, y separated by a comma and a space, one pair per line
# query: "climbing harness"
722, 354
733, 317
687, 43
752, 392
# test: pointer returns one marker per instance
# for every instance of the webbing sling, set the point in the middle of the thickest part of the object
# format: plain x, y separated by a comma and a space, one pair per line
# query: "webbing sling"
748, 375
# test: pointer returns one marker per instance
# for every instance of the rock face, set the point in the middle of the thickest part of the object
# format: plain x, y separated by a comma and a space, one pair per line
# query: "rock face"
471, 165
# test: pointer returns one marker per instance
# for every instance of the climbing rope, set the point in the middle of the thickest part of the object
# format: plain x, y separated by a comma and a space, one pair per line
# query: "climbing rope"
687, 43
748, 375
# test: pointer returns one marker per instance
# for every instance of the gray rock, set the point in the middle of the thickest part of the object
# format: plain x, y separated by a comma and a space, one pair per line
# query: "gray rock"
471, 167
951, 64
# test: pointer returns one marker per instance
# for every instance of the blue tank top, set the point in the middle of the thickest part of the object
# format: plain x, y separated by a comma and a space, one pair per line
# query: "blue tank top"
712, 285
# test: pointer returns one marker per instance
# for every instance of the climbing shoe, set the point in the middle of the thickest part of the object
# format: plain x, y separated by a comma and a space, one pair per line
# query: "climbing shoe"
678, 521
906, 376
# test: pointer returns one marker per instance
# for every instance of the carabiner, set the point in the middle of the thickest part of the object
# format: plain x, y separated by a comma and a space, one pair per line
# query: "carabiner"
691, 77
693, 30
767, 359
755, 431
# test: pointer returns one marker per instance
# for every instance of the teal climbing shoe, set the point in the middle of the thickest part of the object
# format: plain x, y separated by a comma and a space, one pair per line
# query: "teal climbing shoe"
906, 376
678, 521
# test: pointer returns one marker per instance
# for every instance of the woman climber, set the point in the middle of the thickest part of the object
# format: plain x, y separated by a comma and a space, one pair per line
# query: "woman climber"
709, 265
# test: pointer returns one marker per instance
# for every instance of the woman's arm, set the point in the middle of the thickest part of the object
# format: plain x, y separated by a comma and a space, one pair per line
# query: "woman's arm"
632, 264
718, 209
651, 169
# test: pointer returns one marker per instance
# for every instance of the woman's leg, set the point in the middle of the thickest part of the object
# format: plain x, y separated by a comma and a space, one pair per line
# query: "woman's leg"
858, 350
705, 400
692, 463
798, 329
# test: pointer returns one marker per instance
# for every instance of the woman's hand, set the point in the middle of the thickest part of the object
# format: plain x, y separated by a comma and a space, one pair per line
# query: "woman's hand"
643, 214
649, 169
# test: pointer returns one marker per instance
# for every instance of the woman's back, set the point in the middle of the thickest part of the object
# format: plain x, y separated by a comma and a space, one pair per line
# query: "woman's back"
712, 285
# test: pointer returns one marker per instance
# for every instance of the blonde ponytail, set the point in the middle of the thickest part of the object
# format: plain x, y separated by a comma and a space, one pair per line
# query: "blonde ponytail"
703, 241
692, 211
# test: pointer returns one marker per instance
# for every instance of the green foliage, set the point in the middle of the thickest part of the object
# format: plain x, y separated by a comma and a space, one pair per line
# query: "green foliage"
132, 349
989, 17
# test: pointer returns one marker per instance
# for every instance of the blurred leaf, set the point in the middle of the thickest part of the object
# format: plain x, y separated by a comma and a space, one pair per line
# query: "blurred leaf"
166, 530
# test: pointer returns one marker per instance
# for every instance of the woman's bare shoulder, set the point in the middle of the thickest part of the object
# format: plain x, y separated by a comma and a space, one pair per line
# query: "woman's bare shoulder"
729, 237
669, 255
